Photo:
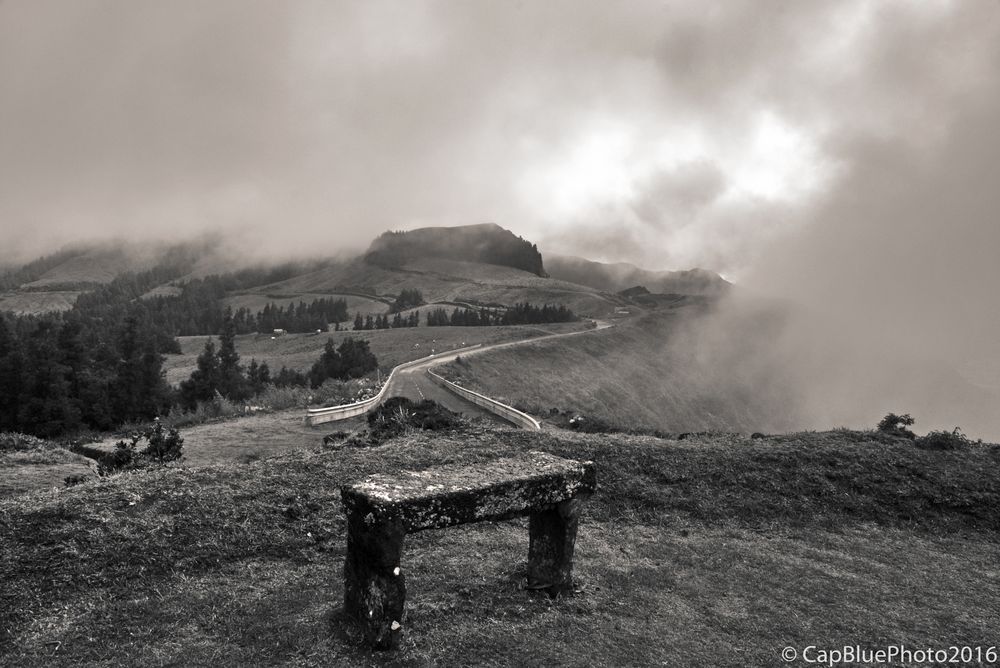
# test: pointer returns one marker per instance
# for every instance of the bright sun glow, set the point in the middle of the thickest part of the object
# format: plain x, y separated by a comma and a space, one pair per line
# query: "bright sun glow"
595, 170
777, 163
772, 160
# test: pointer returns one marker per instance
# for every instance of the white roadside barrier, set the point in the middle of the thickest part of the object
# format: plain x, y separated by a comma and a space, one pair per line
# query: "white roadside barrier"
315, 416
504, 411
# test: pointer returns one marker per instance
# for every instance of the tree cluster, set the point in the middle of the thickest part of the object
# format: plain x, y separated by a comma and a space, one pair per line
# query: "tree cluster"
519, 314
100, 364
302, 318
384, 322
407, 298
199, 309
352, 359
61, 373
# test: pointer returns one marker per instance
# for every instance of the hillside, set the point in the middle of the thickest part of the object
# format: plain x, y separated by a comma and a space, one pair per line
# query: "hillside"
53, 283
691, 367
391, 346
449, 281
621, 276
472, 264
690, 553
37, 302
487, 244
95, 265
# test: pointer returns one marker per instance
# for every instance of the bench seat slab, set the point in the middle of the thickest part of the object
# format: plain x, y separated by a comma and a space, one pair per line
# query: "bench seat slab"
448, 495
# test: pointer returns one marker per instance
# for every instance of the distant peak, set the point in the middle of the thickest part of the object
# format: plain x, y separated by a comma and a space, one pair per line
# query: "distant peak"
488, 243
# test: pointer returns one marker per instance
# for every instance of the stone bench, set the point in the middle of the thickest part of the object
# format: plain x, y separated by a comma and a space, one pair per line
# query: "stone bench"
382, 509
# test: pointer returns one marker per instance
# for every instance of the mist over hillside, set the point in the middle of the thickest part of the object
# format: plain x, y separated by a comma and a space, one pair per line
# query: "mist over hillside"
618, 276
739, 364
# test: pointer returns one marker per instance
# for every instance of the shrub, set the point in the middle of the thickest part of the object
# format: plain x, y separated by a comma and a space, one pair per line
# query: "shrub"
943, 440
73, 480
399, 414
896, 425
12, 441
335, 437
591, 425
161, 446
119, 459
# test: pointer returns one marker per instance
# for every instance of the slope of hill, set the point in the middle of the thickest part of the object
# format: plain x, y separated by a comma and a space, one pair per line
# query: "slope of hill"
690, 553
687, 368
95, 265
391, 346
620, 276
446, 281
473, 264
487, 244
38, 302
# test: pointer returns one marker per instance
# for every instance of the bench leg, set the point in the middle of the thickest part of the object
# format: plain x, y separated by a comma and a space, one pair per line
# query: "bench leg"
374, 587
552, 537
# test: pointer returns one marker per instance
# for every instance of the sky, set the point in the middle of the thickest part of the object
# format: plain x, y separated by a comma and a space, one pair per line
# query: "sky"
669, 134
840, 154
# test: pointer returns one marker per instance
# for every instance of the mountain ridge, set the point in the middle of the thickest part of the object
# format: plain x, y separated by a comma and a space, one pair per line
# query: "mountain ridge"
482, 263
619, 276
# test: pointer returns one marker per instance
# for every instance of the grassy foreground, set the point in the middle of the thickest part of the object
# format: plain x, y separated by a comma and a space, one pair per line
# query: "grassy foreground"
711, 551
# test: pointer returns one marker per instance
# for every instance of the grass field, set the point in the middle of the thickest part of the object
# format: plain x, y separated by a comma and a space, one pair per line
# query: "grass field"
250, 437
39, 467
391, 346
706, 552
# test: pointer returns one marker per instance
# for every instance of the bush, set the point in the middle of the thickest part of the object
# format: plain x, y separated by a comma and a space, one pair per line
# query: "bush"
896, 425
943, 440
399, 414
161, 446
335, 437
11, 441
591, 425
73, 480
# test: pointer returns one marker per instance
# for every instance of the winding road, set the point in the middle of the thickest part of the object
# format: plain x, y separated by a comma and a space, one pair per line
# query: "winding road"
414, 383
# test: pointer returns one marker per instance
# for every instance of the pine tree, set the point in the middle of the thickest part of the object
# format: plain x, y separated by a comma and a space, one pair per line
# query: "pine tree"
329, 365
203, 381
356, 358
231, 383
11, 364
46, 408
258, 376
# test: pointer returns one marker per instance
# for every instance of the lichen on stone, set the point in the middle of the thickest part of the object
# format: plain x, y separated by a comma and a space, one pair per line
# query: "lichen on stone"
455, 494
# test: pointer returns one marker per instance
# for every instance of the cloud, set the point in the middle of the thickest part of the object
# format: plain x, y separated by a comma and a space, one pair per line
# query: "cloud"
838, 154
672, 134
